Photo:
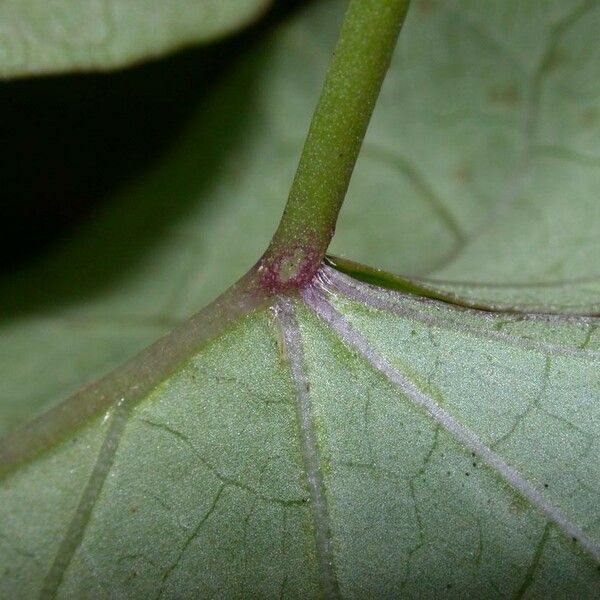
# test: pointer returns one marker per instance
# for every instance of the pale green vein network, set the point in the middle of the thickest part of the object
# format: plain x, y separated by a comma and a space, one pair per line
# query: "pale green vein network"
210, 466
172, 473
540, 502
345, 451
206, 491
354, 339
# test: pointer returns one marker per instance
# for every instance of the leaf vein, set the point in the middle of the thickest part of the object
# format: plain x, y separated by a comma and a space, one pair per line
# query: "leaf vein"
388, 300
323, 539
353, 339
76, 530
221, 477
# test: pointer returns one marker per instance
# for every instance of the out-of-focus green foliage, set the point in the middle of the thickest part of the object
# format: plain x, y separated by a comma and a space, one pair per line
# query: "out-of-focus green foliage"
49, 36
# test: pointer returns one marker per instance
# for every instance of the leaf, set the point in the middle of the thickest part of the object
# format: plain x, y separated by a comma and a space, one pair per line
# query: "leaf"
375, 444
49, 36
161, 248
487, 133
323, 443
440, 163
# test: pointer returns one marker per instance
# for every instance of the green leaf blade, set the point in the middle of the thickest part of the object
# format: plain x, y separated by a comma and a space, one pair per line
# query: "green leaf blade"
546, 447
435, 428
172, 485
38, 503
445, 455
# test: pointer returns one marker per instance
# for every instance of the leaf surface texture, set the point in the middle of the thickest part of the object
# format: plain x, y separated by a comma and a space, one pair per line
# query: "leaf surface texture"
355, 440
375, 444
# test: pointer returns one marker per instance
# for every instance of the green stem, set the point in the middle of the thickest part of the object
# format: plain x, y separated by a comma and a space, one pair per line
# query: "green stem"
360, 61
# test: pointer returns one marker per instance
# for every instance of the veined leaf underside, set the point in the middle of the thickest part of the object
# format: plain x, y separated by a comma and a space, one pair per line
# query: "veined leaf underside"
338, 303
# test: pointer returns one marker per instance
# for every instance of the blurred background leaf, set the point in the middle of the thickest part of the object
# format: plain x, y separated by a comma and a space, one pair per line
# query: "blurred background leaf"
50, 36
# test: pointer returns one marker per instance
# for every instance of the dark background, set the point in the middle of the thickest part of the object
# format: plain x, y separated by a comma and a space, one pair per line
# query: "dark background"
69, 140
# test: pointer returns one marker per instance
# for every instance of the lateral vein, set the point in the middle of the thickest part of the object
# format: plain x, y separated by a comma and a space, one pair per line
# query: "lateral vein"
75, 532
388, 300
293, 349
353, 339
